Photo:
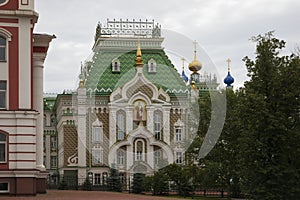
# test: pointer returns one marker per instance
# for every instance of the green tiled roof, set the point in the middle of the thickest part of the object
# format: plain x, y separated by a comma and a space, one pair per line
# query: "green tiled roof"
49, 103
102, 78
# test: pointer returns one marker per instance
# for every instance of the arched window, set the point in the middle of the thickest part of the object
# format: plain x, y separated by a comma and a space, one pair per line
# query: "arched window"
139, 150
120, 125
115, 65
3, 148
2, 48
151, 66
158, 125
121, 157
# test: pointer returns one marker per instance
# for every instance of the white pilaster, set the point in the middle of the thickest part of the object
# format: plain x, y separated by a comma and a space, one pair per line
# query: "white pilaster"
129, 119
150, 121
112, 125
81, 127
166, 124
25, 64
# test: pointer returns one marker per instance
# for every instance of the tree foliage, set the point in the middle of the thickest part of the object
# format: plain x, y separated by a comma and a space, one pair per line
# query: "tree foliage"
270, 123
113, 181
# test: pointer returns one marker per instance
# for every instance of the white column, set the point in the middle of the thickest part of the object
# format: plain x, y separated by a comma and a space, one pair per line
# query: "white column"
38, 74
166, 124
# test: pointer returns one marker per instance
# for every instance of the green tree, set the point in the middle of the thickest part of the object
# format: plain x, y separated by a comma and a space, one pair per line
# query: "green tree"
113, 181
160, 183
269, 120
137, 183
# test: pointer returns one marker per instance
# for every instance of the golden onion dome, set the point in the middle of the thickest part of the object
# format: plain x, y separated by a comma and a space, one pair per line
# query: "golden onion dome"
195, 65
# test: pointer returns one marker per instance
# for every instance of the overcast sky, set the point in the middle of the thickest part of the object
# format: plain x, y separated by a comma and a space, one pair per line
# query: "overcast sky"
222, 29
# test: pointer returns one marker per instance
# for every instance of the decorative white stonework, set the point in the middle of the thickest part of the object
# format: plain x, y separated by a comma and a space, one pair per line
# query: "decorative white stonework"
73, 159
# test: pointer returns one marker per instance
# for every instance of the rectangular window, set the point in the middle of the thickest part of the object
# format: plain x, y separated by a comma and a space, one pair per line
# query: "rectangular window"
178, 134
121, 157
121, 126
157, 126
97, 179
53, 161
157, 157
179, 157
3, 148
4, 187
97, 154
139, 155
97, 134
2, 49
53, 142
2, 94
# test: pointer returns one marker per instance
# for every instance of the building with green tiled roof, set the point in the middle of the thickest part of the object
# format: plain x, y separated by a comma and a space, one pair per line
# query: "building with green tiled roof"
131, 111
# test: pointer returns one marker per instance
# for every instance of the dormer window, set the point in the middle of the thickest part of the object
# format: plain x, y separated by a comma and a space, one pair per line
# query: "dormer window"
151, 66
115, 65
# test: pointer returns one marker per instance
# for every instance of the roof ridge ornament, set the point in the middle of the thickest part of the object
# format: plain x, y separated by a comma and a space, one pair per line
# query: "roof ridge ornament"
139, 59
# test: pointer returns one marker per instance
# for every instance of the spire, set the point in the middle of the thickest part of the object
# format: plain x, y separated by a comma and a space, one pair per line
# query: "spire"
228, 79
195, 50
81, 77
184, 77
139, 60
228, 61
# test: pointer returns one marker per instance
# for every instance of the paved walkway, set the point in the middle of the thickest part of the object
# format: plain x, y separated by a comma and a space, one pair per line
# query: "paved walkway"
86, 195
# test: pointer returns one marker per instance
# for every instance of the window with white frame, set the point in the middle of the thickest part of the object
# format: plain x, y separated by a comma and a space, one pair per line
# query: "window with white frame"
97, 179
178, 134
139, 150
115, 64
97, 131
120, 125
4, 187
53, 161
53, 142
96, 134
178, 157
97, 154
157, 125
121, 157
178, 131
2, 48
157, 157
151, 66
2, 94
3, 148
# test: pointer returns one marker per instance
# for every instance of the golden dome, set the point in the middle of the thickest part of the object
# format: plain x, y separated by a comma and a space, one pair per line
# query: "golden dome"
195, 65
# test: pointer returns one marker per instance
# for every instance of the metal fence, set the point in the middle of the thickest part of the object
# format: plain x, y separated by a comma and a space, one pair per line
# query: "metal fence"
74, 183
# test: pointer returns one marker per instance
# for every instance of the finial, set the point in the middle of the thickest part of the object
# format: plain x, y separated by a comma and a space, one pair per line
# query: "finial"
195, 50
138, 60
228, 61
182, 62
